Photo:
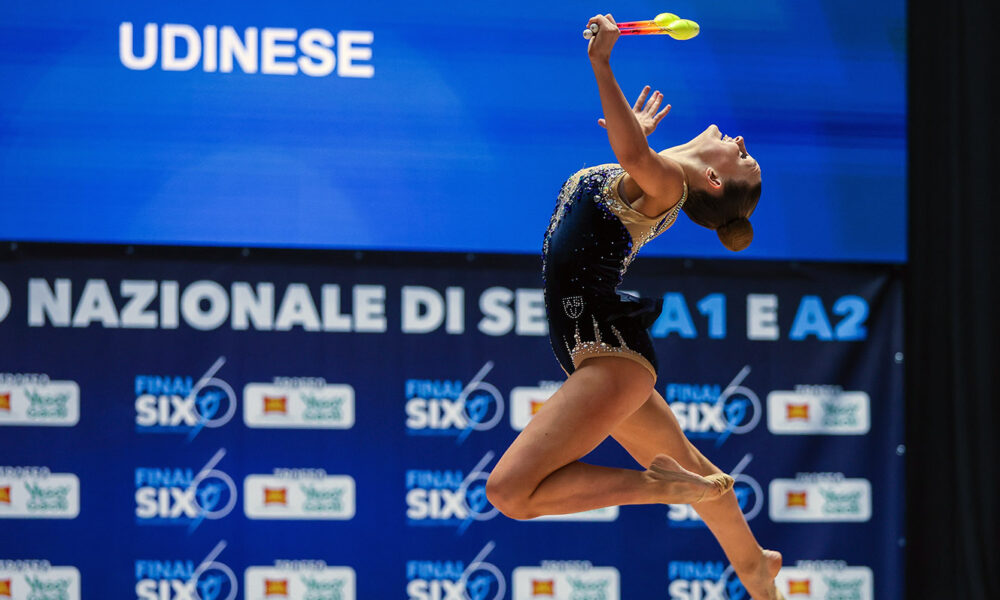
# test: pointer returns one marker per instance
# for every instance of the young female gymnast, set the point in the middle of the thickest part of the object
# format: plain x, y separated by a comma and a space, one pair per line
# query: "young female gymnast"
604, 215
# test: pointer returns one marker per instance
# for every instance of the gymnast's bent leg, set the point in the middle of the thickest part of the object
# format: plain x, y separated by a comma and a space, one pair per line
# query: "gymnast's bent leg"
541, 473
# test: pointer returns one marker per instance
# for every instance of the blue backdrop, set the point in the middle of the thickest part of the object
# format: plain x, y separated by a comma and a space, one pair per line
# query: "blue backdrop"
450, 126
322, 427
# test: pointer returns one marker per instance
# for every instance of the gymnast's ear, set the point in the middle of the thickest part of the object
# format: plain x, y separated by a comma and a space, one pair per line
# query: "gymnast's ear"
712, 179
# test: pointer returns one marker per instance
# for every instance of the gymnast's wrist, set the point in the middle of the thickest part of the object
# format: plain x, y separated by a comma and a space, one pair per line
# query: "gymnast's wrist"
601, 61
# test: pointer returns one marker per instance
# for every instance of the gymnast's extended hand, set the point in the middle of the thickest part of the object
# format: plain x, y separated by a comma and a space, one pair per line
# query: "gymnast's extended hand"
646, 115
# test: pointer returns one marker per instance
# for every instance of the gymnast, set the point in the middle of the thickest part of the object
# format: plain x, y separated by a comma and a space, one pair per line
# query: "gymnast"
603, 217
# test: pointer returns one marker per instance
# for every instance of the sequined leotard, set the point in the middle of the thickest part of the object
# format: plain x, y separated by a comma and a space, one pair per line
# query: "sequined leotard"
592, 238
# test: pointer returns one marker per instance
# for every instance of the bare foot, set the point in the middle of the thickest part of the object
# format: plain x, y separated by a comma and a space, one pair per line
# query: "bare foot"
685, 487
759, 580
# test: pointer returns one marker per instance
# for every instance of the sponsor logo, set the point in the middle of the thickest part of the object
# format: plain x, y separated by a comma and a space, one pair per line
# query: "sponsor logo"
37, 493
35, 400
825, 580
446, 407
181, 404
566, 580
820, 497
708, 580
298, 403
749, 495
38, 580
302, 494
454, 579
186, 580
525, 402
818, 410
299, 580
182, 495
710, 411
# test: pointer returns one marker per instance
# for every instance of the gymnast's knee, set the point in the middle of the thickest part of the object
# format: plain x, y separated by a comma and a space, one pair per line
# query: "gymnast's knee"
509, 497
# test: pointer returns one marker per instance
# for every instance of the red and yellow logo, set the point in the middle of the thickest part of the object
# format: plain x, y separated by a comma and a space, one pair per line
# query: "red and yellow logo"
797, 411
275, 404
796, 499
536, 406
275, 496
5, 401
543, 587
5, 494
798, 586
276, 587
5, 588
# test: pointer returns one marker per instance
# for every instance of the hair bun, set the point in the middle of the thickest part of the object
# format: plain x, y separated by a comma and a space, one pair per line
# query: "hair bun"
736, 234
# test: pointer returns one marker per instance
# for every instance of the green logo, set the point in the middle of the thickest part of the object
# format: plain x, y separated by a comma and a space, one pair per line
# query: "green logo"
48, 589
322, 409
47, 407
840, 503
588, 590
843, 589
51, 498
840, 414
317, 589
322, 500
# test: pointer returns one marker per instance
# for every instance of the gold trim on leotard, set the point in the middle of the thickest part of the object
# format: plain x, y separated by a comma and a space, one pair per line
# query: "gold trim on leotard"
581, 350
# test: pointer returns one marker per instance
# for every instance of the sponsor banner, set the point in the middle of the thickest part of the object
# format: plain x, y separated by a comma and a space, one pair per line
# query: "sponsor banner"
814, 410
299, 494
298, 404
38, 580
204, 397
299, 580
820, 498
39, 401
826, 581
37, 493
558, 580
526, 401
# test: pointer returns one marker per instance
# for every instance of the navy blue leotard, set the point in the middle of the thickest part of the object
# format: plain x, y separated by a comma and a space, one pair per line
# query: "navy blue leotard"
592, 238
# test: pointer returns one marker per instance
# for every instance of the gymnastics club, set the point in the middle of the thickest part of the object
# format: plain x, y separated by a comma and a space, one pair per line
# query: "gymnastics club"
664, 24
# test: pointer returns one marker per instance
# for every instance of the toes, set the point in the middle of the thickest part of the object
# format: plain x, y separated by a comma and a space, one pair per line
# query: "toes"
720, 485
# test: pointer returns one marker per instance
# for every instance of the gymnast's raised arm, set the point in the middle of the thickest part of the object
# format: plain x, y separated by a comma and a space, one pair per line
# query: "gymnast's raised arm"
661, 179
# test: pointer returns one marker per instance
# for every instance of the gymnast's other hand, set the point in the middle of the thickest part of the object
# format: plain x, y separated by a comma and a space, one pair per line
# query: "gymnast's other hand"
599, 47
646, 115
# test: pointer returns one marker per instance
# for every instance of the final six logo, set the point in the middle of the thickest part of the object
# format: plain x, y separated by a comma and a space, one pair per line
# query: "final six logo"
182, 579
181, 404
171, 495
448, 497
454, 580
446, 407
709, 411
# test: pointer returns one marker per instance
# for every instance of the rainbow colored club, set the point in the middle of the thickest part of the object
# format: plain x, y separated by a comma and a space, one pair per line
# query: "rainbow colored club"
664, 24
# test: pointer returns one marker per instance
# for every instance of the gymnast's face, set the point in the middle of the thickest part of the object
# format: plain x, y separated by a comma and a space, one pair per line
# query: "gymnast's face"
726, 157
